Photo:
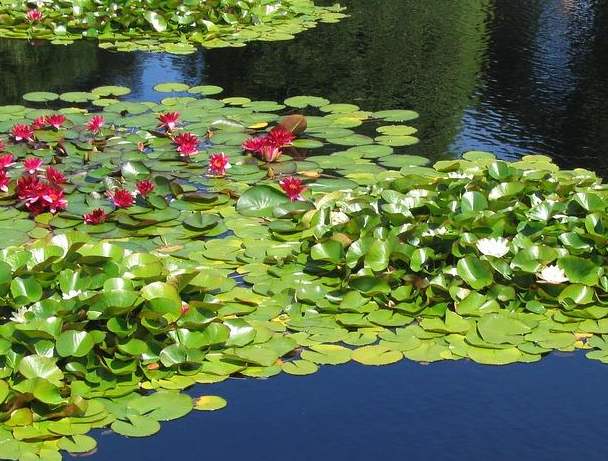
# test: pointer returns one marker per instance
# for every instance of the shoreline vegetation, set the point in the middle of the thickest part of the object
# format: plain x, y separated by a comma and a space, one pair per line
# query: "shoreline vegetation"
159, 26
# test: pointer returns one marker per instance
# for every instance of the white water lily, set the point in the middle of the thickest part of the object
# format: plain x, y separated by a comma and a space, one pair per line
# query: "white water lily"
553, 275
497, 247
72, 294
19, 315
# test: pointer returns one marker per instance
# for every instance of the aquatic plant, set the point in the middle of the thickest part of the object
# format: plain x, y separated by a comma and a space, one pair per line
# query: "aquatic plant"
162, 26
164, 271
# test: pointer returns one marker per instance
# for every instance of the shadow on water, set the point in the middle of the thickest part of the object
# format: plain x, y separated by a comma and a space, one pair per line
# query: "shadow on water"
508, 76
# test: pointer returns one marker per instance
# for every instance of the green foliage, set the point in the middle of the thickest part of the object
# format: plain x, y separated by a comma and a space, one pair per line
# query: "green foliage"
210, 277
173, 27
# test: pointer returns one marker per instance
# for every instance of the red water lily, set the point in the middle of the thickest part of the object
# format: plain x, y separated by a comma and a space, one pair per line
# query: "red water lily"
55, 120
95, 124
293, 188
29, 187
280, 137
254, 144
32, 164
270, 153
97, 216
187, 144
54, 176
39, 196
121, 198
4, 181
34, 15
145, 187
6, 160
218, 164
268, 147
53, 199
39, 123
168, 120
22, 132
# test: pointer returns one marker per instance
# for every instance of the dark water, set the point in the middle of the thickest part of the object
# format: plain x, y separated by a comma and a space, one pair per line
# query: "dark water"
451, 411
508, 76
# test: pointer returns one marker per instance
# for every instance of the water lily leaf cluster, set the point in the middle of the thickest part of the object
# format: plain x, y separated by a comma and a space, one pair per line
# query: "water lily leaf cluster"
213, 271
173, 27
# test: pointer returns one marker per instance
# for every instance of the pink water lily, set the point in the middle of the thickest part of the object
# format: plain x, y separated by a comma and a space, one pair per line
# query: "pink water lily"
168, 120
54, 176
7, 160
270, 153
4, 181
293, 188
95, 124
34, 15
21, 132
145, 187
32, 164
121, 198
218, 164
55, 120
97, 216
187, 144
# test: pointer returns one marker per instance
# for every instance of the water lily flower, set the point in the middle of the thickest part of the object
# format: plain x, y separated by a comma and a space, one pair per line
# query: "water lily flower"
54, 199
168, 120
145, 187
280, 137
270, 153
185, 308
254, 144
95, 124
39, 123
22, 132
121, 198
497, 247
6, 160
32, 164
34, 15
19, 316
54, 176
97, 216
187, 144
218, 164
4, 181
29, 188
40, 197
55, 120
293, 188
553, 275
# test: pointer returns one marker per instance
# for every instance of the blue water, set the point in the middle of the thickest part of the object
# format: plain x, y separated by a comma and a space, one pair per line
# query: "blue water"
553, 410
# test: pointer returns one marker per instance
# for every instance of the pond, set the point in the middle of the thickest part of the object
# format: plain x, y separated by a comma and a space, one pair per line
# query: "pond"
505, 76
